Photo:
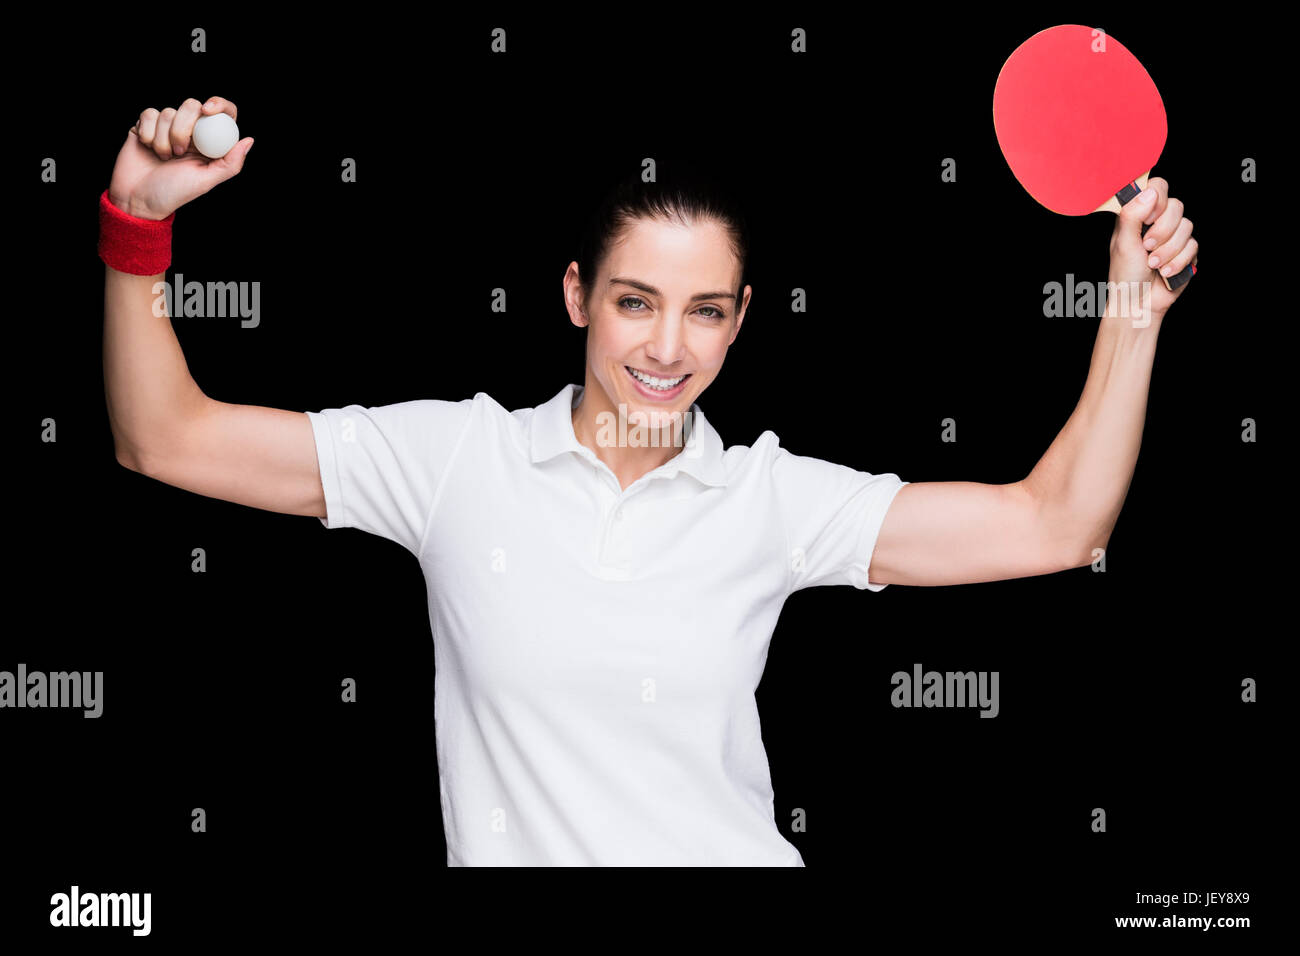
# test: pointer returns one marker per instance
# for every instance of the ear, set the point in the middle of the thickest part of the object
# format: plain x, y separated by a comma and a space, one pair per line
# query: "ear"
573, 293
740, 315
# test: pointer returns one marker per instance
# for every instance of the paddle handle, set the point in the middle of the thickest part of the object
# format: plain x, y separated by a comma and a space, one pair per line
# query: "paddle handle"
1172, 283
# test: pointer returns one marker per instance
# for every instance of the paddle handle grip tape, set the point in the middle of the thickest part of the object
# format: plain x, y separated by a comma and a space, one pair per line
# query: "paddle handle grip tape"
1172, 283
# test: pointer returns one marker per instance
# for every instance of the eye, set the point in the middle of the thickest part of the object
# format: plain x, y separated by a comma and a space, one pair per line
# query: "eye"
716, 316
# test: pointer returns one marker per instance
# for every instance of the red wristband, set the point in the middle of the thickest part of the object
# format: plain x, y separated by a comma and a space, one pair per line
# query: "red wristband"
140, 247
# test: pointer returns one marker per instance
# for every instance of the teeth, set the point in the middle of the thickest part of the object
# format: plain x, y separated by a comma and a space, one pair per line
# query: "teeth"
663, 384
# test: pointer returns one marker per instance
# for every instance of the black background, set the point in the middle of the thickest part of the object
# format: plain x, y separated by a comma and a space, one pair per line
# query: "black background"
1118, 690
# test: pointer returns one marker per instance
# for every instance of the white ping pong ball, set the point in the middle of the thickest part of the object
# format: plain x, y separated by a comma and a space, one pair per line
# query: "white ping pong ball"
214, 135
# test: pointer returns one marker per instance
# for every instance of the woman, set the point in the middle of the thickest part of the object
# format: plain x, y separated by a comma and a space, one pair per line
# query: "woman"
603, 574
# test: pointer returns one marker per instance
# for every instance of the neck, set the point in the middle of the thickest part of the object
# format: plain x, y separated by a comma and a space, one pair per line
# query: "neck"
630, 449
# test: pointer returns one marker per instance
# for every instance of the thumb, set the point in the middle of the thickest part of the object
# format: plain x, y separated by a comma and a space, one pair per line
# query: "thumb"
219, 170
1128, 225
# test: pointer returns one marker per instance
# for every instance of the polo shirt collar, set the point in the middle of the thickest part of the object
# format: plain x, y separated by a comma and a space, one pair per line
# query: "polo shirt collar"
551, 432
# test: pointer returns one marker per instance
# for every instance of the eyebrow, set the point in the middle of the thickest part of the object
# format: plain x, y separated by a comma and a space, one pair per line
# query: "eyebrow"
651, 290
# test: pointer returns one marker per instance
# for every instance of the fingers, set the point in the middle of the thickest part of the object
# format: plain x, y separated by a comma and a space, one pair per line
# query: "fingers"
1141, 208
145, 126
1161, 186
1185, 257
169, 132
216, 104
1169, 239
219, 170
182, 127
1168, 249
162, 143
1163, 228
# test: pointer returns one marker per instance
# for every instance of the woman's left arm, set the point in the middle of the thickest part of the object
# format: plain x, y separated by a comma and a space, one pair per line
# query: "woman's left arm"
963, 532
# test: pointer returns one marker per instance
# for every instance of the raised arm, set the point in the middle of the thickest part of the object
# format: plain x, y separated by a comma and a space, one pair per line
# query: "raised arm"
163, 425
961, 532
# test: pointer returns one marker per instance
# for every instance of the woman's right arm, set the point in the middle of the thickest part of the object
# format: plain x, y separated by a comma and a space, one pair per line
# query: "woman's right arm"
163, 425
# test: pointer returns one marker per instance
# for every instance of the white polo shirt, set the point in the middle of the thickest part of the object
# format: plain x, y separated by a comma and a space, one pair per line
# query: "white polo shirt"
597, 649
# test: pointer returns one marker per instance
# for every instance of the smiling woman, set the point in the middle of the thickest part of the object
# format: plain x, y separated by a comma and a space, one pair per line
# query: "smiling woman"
659, 285
601, 608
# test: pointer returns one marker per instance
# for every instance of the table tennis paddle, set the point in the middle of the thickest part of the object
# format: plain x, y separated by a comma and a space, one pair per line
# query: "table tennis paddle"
1080, 122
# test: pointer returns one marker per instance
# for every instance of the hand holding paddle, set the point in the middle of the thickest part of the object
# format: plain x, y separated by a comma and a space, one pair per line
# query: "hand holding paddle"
1166, 245
1081, 123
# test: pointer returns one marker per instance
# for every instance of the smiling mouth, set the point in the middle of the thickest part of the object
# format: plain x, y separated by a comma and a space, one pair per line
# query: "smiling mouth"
656, 383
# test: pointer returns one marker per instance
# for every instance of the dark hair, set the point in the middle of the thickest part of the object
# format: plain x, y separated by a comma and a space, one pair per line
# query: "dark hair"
681, 192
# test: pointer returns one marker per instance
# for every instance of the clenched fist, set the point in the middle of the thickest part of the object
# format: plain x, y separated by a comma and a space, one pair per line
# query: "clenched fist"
1166, 246
158, 170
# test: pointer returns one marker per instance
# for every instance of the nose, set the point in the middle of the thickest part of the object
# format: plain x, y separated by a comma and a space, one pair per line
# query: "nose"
667, 343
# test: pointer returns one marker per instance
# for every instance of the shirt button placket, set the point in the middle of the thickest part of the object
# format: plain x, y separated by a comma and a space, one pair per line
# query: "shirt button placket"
609, 502
613, 527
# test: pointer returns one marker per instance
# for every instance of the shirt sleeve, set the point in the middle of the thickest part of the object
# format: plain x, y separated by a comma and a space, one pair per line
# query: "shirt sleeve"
381, 467
833, 516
